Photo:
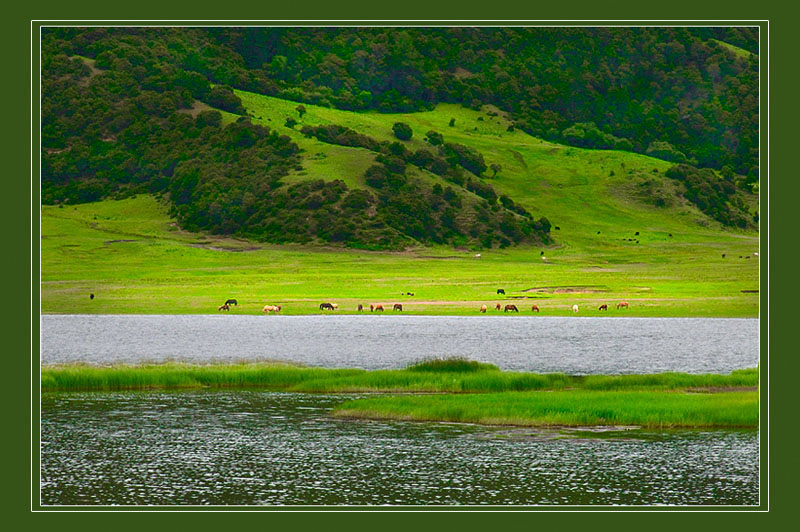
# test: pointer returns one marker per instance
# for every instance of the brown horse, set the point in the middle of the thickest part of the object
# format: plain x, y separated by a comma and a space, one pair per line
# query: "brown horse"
603, 307
622, 304
360, 307
224, 307
534, 308
378, 308
512, 308
498, 306
272, 308
483, 309
398, 306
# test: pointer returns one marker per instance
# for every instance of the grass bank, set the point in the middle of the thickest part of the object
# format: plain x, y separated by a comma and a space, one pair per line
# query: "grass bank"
671, 409
459, 390
452, 376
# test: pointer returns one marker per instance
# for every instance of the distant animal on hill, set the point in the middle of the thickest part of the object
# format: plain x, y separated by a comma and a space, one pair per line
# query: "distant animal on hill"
575, 308
325, 306
409, 293
534, 308
224, 307
398, 306
512, 308
501, 291
483, 309
723, 255
91, 296
498, 306
477, 255
272, 308
232, 302
622, 304
603, 307
360, 307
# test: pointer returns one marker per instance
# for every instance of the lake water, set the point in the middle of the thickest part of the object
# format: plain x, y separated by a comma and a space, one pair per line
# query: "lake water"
266, 448
543, 344
250, 447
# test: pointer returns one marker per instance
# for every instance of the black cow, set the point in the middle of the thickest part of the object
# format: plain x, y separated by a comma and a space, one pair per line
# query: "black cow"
501, 291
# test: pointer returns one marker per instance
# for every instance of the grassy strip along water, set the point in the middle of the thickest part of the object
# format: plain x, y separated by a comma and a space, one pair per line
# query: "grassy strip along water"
452, 375
466, 391
665, 409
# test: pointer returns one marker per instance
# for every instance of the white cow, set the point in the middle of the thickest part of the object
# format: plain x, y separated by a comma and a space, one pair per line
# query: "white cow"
575, 309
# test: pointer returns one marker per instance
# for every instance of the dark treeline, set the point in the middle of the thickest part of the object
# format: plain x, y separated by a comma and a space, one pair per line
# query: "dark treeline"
624, 88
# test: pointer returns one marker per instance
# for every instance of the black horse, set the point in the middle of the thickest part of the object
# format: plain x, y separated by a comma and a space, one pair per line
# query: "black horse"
501, 291
232, 302
325, 306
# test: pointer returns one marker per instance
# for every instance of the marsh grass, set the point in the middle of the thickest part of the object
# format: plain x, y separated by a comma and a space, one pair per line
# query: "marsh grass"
566, 408
427, 376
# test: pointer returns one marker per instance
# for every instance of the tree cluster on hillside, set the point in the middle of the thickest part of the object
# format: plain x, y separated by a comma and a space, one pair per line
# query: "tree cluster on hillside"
123, 123
714, 195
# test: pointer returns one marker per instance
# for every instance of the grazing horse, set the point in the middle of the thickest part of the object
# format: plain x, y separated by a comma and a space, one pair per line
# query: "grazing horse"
483, 309
378, 308
325, 306
224, 307
272, 308
232, 302
622, 304
575, 308
360, 307
501, 291
398, 306
534, 308
603, 307
512, 308
335, 305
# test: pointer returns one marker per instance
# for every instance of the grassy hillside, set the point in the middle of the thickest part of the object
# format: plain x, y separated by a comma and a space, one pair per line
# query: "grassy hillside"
132, 255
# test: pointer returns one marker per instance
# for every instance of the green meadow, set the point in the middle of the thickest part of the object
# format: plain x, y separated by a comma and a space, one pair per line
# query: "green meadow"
463, 391
135, 258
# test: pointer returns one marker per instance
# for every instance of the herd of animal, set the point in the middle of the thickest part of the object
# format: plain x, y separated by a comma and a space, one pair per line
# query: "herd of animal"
377, 307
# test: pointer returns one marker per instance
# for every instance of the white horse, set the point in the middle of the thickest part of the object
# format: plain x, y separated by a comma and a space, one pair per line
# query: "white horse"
575, 309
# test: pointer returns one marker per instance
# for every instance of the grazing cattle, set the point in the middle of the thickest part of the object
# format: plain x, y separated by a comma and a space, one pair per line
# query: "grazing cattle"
224, 307
409, 293
477, 255
398, 306
378, 308
755, 254
723, 255
498, 306
558, 228
512, 308
325, 306
747, 257
622, 304
232, 302
534, 308
483, 309
637, 233
501, 291
575, 309
360, 307
603, 307
91, 296
544, 258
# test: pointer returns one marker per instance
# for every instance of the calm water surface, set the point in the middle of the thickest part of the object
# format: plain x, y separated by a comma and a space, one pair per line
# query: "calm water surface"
264, 448
543, 344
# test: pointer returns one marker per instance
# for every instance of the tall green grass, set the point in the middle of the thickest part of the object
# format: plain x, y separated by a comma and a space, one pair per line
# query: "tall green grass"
566, 408
428, 376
